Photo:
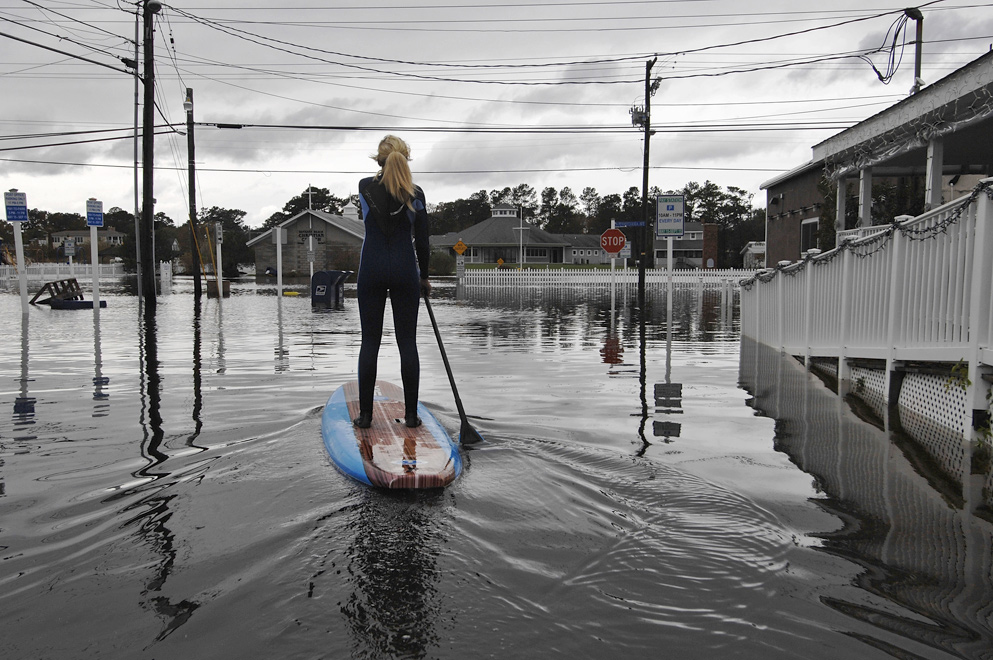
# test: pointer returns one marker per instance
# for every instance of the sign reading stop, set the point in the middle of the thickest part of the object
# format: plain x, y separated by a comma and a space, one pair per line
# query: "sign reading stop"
613, 241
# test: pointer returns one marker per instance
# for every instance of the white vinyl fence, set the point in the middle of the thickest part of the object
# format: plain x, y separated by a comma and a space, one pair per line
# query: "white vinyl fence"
51, 271
586, 277
916, 290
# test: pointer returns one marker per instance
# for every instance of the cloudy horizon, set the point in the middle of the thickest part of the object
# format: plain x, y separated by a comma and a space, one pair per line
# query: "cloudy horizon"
489, 95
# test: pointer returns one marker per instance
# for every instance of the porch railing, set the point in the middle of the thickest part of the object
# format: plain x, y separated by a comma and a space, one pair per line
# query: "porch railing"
917, 290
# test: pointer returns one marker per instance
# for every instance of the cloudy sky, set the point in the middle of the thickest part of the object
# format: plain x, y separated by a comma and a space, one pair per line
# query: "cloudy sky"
489, 94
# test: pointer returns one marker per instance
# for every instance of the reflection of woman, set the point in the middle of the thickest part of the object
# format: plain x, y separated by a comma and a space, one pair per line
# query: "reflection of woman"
393, 210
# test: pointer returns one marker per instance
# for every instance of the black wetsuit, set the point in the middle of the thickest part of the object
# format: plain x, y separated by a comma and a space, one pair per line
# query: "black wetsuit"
394, 258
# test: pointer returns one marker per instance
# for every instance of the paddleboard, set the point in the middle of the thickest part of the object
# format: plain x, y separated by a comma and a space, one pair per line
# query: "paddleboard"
388, 454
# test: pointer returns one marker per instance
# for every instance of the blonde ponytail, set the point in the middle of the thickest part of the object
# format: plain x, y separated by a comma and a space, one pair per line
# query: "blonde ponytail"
392, 156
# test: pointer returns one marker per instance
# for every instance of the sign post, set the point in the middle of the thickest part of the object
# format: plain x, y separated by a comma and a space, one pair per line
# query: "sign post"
460, 248
69, 248
669, 223
279, 238
94, 219
219, 231
17, 212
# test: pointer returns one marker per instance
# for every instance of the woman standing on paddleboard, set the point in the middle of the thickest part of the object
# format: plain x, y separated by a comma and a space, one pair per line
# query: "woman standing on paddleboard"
394, 262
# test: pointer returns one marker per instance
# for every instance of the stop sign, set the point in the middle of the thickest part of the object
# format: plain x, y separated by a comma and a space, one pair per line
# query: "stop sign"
612, 241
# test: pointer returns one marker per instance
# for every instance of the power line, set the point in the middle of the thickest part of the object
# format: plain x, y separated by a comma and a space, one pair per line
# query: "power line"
270, 42
76, 20
63, 144
62, 52
59, 37
420, 172
541, 130
33, 136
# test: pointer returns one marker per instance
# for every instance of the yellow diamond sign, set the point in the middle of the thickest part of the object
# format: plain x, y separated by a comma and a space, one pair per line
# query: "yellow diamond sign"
460, 247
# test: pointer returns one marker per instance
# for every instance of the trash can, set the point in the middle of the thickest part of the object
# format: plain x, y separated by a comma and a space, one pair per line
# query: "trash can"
327, 289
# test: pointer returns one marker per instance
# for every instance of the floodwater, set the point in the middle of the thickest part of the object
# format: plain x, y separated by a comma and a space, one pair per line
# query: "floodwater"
165, 493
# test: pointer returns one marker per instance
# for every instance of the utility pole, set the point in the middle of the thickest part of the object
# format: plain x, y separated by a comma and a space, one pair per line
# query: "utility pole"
137, 208
191, 153
642, 117
916, 15
148, 158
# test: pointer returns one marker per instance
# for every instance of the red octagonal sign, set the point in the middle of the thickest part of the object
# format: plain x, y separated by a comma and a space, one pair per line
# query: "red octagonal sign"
613, 241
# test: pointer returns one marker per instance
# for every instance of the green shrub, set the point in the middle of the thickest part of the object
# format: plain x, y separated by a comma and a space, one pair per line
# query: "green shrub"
441, 263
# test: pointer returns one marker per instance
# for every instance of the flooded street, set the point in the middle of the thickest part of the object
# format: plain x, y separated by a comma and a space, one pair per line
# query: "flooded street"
165, 493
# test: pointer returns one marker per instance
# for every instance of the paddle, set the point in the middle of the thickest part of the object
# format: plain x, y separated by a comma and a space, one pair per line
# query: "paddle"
467, 434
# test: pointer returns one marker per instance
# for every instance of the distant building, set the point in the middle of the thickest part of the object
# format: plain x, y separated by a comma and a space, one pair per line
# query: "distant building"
79, 236
584, 249
753, 254
504, 236
696, 248
499, 237
334, 239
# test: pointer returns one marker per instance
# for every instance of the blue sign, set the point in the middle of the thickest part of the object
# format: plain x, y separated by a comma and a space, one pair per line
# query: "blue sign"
94, 213
17, 206
629, 223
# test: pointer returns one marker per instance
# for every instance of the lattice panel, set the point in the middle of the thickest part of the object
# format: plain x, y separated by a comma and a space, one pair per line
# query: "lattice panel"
869, 385
932, 413
933, 397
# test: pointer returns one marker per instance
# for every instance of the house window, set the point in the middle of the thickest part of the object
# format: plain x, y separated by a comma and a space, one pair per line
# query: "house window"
536, 252
808, 234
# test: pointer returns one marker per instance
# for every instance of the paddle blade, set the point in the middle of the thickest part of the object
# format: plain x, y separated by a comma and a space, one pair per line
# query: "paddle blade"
469, 435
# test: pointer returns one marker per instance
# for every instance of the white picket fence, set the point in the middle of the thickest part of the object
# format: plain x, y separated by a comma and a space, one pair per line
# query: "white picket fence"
594, 277
47, 272
916, 290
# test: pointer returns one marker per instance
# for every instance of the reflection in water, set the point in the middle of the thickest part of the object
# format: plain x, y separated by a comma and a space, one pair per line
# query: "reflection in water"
100, 398
394, 605
153, 510
564, 316
221, 363
643, 380
921, 550
609, 317
197, 377
150, 391
282, 353
24, 405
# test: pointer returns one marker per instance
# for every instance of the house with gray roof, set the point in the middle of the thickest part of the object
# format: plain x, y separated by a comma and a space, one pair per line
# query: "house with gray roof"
335, 240
504, 236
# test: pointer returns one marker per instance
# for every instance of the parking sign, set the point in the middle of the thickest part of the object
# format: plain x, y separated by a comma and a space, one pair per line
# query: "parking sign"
94, 213
669, 216
17, 206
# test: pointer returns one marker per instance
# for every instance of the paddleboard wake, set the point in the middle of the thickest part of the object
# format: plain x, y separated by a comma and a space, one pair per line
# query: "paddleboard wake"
388, 454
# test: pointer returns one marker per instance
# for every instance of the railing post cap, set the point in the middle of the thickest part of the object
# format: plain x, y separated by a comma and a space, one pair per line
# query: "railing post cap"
784, 263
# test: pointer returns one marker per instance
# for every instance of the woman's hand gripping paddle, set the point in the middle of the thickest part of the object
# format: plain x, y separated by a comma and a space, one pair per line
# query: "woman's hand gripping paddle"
467, 434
